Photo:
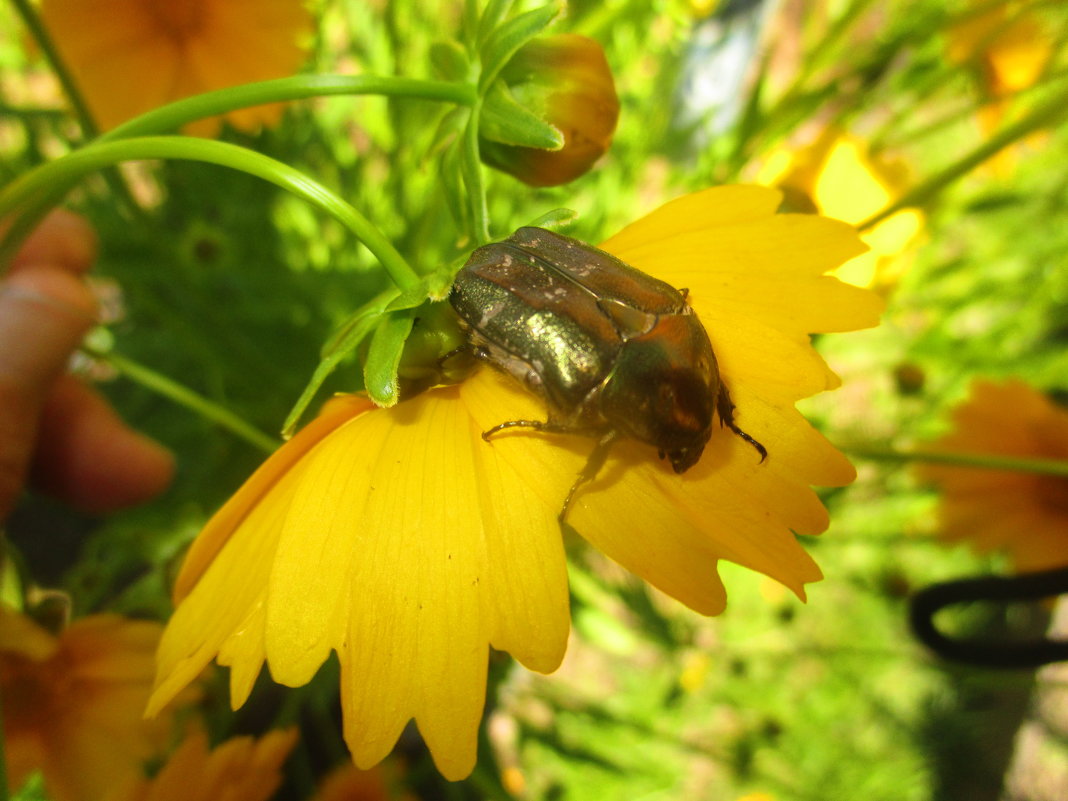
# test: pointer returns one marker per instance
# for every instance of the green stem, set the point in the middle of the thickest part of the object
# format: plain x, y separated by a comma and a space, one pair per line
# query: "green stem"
70, 88
172, 116
1044, 116
183, 396
891, 132
59, 68
70, 168
984, 461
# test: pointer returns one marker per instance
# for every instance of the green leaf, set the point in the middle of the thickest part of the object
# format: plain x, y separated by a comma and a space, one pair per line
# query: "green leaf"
409, 298
506, 121
387, 346
347, 338
502, 44
495, 11
451, 174
555, 220
339, 342
449, 60
434, 286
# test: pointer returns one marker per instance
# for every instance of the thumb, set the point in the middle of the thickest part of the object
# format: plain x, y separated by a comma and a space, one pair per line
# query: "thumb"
44, 312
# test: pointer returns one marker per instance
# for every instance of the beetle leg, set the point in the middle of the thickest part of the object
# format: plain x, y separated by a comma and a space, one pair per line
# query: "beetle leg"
725, 408
594, 463
537, 425
464, 348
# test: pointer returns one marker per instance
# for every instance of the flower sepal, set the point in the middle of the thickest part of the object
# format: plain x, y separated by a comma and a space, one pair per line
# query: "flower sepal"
508, 122
502, 44
564, 81
449, 60
412, 351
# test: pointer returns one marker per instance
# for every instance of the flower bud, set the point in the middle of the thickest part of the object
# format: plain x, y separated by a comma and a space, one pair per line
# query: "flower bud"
564, 81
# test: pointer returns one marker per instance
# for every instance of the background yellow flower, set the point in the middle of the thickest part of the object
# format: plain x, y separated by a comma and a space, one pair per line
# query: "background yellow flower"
403, 541
130, 56
74, 703
1024, 514
836, 176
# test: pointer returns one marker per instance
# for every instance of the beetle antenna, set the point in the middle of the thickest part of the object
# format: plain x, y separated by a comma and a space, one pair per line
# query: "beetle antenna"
725, 408
759, 448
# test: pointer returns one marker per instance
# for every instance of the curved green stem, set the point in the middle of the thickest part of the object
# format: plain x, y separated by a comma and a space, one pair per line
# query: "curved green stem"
170, 117
183, 396
1045, 115
70, 168
984, 461
174, 115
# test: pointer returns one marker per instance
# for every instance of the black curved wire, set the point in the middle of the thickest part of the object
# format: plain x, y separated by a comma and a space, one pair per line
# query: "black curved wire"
1026, 654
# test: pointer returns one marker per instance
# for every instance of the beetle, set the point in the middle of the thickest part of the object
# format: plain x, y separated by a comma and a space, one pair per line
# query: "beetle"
613, 352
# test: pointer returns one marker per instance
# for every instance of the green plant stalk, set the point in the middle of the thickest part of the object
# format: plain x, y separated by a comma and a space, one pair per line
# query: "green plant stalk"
1045, 115
301, 87
67, 170
183, 396
984, 461
878, 140
59, 68
74, 95
172, 116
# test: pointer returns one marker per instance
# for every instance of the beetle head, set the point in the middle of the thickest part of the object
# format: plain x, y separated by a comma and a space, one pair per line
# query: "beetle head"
662, 390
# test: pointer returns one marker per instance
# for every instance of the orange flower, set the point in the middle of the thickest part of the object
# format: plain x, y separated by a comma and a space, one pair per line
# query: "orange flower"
565, 80
1007, 48
401, 540
1025, 514
73, 704
240, 769
349, 783
130, 56
1005, 42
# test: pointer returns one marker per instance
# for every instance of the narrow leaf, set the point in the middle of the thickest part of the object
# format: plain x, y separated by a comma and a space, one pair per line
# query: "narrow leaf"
383, 358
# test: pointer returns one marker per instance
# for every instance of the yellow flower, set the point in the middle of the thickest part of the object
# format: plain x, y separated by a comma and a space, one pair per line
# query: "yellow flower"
835, 176
240, 769
400, 539
130, 56
73, 704
1025, 514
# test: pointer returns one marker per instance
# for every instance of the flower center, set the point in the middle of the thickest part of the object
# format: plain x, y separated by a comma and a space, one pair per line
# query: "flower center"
180, 20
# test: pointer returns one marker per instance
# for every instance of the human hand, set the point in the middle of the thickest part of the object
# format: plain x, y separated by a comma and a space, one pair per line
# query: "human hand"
53, 428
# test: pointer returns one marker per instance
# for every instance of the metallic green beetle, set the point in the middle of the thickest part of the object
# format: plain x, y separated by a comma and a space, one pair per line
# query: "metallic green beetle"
611, 351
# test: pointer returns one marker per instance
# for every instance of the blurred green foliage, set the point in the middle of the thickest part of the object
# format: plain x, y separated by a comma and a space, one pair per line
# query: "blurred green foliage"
231, 288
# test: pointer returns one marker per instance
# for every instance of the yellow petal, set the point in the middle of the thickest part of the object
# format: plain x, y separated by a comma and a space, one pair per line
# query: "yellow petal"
718, 207
323, 530
224, 522
417, 640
